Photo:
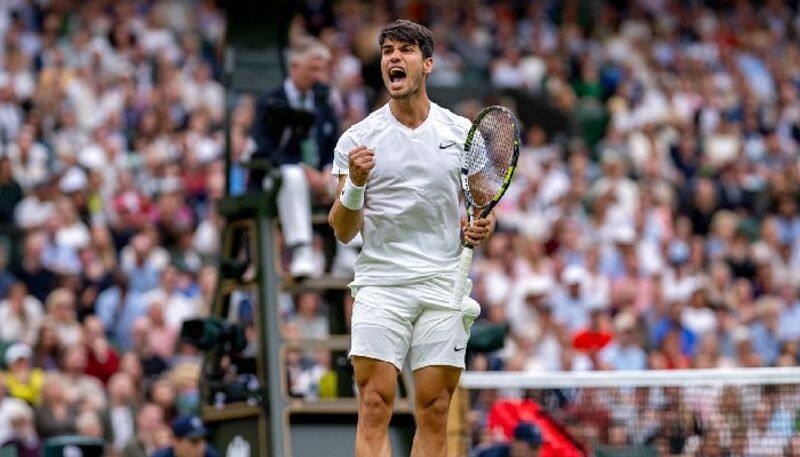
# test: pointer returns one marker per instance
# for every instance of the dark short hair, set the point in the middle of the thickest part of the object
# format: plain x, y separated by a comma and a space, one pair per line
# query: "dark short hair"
409, 32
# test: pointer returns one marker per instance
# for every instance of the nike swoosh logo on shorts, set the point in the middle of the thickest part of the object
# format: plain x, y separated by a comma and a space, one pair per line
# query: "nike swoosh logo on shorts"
446, 145
458, 349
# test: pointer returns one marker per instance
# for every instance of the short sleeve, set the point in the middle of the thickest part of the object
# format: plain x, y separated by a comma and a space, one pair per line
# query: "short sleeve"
345, 144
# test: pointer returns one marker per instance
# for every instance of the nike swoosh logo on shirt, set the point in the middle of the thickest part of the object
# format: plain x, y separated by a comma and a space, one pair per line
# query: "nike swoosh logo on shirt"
457, 349
446, 145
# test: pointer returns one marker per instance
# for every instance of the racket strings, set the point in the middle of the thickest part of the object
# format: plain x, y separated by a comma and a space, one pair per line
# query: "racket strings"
490, 155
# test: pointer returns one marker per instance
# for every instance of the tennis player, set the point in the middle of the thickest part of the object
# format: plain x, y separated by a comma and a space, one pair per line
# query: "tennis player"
399, 186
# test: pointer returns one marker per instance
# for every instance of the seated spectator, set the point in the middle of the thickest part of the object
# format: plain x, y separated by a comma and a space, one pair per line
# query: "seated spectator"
23, 438
22, 380
61, 315
119, 417
571, 307
32, 271
765, 330
672, 321
190, 439
526, 442
623, 353
88, 424
20, 315
79, 388
102, 359
308, 317
10, 193
163, 394
161, 338
6, 277
151, 363
56, 415
669, 356
149, 422
118, 307
8, 405
596, 335
177, 306
47, 351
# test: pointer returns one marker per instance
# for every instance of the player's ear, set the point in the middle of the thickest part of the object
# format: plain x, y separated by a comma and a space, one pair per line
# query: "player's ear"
427, 65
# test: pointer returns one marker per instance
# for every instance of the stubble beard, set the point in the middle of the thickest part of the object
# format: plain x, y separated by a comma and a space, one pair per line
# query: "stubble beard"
412, 91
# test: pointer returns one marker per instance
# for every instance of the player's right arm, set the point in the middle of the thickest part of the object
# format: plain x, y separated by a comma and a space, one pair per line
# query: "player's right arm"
347, 222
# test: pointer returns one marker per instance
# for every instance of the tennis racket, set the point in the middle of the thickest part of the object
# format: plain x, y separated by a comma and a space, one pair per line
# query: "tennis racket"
488, 160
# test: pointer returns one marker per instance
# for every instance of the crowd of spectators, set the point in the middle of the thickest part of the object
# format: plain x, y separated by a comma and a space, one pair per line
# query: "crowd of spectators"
111, 161
657, 229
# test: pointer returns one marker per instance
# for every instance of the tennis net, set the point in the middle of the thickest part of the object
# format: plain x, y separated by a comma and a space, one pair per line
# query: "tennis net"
750, 412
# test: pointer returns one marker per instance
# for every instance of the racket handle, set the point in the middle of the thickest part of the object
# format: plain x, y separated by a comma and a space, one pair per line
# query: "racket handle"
462, 274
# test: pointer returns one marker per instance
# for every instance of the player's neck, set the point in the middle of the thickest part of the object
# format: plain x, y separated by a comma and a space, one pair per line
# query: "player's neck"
411, 111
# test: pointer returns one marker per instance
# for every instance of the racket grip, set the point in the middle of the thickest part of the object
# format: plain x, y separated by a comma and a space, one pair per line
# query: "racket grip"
462, 274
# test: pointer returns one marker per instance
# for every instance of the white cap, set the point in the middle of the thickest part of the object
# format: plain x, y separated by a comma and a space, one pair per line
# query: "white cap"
73, 180
18, 351
573, 274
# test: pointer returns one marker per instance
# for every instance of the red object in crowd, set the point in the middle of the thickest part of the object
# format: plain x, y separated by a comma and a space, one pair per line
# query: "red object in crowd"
101, 370
506, 414
588, 340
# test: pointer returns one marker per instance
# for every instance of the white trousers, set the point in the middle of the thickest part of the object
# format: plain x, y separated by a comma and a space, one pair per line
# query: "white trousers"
294, 206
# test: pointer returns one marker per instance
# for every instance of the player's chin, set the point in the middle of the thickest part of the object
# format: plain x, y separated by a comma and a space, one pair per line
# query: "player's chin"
398, 92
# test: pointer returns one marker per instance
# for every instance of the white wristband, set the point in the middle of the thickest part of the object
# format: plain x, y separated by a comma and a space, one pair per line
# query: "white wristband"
352, 196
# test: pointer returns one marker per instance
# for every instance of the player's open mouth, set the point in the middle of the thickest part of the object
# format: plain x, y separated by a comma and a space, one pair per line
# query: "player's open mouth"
397, 77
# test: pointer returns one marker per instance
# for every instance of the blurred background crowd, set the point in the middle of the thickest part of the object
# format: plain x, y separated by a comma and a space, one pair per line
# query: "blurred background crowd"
657, 228
111, 160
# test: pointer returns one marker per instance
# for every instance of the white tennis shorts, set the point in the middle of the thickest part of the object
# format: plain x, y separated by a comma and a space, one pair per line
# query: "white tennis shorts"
415, 320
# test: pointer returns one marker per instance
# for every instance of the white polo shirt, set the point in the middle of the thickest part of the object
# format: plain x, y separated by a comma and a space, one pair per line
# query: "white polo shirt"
411, 203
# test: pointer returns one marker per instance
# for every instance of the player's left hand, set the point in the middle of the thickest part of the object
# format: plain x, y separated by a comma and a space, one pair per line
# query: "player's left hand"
479, 231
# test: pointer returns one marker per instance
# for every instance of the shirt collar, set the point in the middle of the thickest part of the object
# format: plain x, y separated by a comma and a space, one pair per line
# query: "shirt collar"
295, 97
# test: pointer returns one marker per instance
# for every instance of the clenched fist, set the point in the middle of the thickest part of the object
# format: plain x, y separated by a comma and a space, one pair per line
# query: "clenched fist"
361, 161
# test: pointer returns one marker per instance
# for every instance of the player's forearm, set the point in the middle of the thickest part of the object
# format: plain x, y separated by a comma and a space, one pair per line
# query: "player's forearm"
345, 222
